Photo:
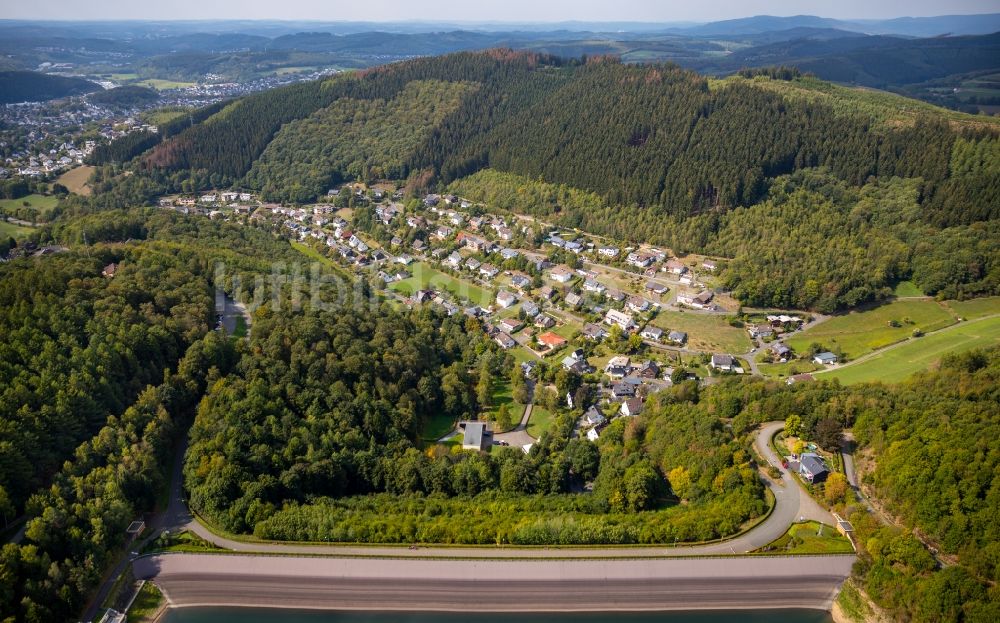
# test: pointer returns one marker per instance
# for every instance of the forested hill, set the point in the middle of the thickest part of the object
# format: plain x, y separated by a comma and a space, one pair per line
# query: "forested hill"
32, 86
654, 136
664, 155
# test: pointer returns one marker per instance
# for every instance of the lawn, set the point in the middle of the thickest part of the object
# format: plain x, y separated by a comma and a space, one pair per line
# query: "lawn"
976, 308
907, 288
40, 204
426, 277
14, 231
859, 333
76, 180
146, 604
240, 330
920, 353
541, 421
810, 537
503, 395
790, 368
438, 426
706, 332
161, 85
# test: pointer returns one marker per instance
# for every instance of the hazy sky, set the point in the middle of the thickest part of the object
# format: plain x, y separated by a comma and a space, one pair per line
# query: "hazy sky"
483, 10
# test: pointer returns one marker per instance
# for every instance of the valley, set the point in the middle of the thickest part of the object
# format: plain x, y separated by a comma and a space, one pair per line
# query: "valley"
339, 320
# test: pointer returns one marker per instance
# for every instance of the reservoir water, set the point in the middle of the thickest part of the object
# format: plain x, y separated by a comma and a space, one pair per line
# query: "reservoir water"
264, 615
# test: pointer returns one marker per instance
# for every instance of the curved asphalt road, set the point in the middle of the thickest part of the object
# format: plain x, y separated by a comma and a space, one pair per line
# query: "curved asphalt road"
765, 582
791, 504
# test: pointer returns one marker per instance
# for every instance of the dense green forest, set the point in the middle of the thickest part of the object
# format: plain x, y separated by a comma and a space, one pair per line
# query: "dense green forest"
352, 139
33, 86
814, 242
80, 347
331, 406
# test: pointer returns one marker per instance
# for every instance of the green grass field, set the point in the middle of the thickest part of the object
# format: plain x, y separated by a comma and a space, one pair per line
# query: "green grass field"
976, 308
706, 332
919, 354
424, 276
161, 85
438, 426
859, 333
907, 288
541, 421
503, 395
790, 368
14, 231
40, 204
808, 538
146, 603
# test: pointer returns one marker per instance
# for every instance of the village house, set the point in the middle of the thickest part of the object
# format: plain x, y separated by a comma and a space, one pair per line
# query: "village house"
488, 271
699, 301
631, 407
544, 322
562, 274
781, 352
505, 299
615, 295
416, 222
551, 340
508, 254
637, 304
593, 332
656, 288
812, 468
593, 417
709, 265
760, 331
677, 337
473, 264
607, 251
623, 320
454, 260
442, 232
622, 390
110, 270
652, 333
573, 300
675, 267
510, 325
592, 285
618, 366
546, 292
529, 308
520, 280
647, 370
722, 362
639, 259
